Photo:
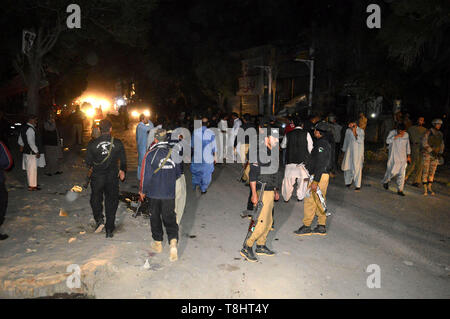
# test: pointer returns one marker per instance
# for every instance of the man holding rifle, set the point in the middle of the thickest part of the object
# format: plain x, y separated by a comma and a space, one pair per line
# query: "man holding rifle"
258, 177
103, 154
319, 165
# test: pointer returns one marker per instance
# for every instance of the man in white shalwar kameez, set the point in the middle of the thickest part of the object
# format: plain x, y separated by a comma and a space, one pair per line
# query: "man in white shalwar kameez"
399, 157
353, 149
298, 144
29, 143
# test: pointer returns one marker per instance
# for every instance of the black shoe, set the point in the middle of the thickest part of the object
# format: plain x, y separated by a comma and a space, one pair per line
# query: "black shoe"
58, 173
203, 193
263, 250
400, 193
319, 230
48, 174
386, 185
303, 231
247, 213
357, 189
247, 253
109, 234
415, 184
3, 236
348, 185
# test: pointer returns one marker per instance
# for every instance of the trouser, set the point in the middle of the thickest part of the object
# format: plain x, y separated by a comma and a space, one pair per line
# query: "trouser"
265, 219
107, 186
353, 176
201, 176
400, 178
243, 150
162, 211
310, 208
31, 167
333, 156
180, 197
221, 147
3, 202
77, 133
292, 174
430, 164
337, 150
51, 157
416, 167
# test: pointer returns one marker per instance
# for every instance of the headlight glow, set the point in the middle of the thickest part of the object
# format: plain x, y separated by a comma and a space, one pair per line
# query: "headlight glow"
90, 112
147, 113
135, 114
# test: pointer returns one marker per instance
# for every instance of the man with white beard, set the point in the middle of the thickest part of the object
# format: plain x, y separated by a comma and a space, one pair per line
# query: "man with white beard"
353, 149
399, 156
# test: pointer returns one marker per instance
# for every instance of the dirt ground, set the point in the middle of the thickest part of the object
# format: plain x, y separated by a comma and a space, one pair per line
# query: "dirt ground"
407, 237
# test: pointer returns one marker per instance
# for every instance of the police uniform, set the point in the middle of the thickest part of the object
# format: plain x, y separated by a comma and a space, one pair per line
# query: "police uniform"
259, 173
416, 134
433, 148
103, 157
319, 165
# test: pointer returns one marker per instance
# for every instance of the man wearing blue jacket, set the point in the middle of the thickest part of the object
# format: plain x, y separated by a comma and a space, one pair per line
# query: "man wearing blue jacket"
159, 174
5, 164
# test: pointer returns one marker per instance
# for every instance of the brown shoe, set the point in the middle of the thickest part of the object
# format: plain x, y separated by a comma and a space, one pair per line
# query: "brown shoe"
173, 250
157, 246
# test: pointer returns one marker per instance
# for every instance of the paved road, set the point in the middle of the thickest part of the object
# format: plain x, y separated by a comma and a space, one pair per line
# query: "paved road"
408, 238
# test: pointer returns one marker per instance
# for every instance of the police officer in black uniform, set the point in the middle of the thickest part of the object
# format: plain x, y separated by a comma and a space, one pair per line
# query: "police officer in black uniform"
103, 154
319, 165
259, 172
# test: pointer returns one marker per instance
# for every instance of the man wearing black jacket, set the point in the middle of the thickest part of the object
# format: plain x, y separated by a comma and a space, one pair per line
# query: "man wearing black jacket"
159, 174
319, 166
102, 156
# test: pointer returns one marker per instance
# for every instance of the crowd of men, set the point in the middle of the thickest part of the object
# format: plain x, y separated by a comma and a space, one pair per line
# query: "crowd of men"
307, 156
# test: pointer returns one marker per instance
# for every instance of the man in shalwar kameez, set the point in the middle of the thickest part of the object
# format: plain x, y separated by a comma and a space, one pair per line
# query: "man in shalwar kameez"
203, 156
399, 157
353, 149
142, 129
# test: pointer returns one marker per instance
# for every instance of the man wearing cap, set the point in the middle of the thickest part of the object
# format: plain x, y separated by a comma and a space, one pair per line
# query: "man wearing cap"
158, 180
433, 148
265, 172
399, 156
416, 134
103, 155
31, 147
319, 167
